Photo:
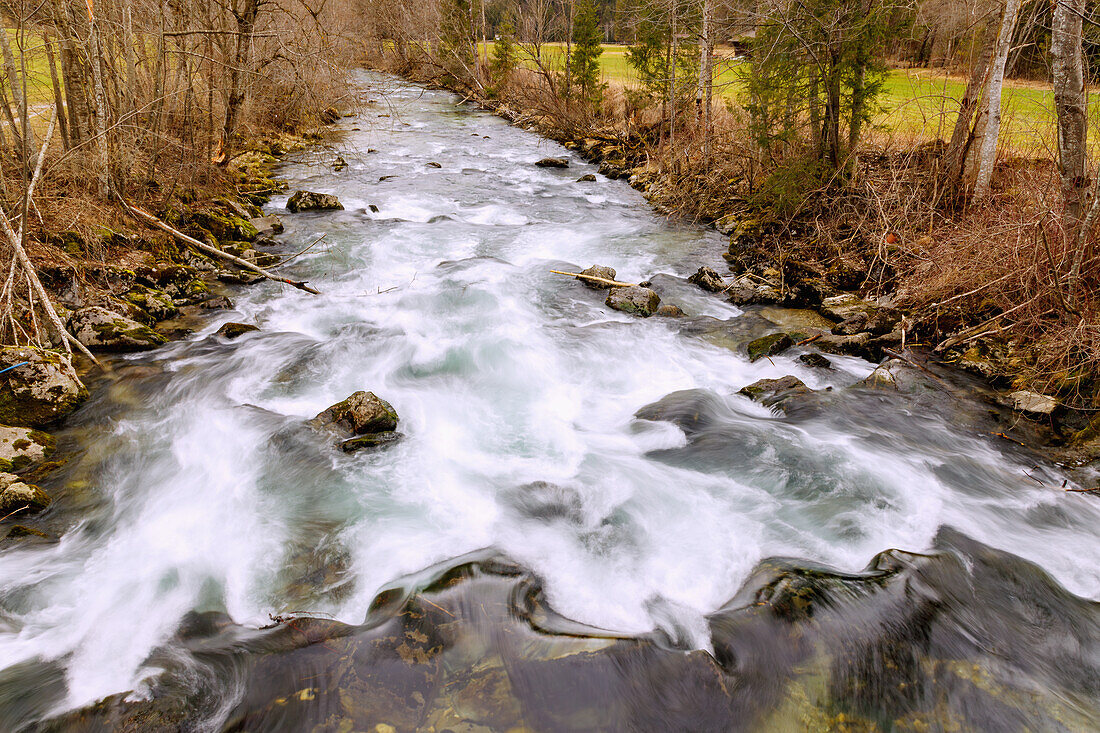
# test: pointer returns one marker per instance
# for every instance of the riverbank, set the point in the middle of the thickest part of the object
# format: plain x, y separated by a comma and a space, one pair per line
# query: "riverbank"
124, 286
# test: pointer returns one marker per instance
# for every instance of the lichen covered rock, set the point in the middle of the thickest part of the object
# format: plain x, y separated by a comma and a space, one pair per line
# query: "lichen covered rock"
41, 387
312, 201
634, 299
99, 328
22, 448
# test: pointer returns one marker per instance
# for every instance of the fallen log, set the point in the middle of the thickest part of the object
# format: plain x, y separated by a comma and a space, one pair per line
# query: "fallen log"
213, 251
604, 280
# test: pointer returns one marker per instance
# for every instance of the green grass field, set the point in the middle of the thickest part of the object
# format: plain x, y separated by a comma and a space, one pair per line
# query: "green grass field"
916, 104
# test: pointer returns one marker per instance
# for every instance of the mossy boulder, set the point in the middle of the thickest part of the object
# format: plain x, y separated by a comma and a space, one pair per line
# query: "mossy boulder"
635, 299
552, 163
105, 330
21, 448
360, 414
19, 497
40, 388
770, 345
224, 225
157, 303
312, 201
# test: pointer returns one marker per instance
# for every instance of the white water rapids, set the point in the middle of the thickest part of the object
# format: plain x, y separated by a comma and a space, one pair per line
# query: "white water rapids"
442, 302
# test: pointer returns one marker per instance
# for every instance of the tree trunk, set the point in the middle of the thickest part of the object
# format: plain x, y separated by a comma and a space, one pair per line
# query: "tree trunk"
246, 24
18, 95
1070, 105
991, 103
963, 134
58, 98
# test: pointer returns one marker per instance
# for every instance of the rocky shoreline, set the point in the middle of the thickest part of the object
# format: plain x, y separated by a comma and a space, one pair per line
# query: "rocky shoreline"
161, 290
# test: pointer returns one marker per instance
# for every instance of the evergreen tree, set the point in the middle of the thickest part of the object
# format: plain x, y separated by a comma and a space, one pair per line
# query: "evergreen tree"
505, 56
585, 66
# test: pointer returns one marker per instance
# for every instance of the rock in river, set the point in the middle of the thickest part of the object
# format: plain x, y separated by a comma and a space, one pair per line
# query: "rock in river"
770, 345
708, 279
607, 273
362, 413
16, 495
99, 328
233, 330
634, 299
774, 392
553, 163
37, 387
311, 201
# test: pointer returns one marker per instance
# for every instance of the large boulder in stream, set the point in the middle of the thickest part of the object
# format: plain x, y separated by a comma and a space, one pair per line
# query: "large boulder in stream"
312, 201
364, 421
37, 387
105, 330
634, 299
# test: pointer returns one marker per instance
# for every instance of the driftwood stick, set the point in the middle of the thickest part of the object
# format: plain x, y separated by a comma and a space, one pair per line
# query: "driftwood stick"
213, 251
604, 280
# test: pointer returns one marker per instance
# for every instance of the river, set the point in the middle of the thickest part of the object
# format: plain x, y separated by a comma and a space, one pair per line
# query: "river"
197, 492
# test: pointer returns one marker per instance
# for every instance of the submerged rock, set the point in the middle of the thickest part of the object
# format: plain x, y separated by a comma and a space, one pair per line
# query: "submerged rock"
816, 360
770, 345
634, 299
708, 279
371, 441
361, 413
99, 328
232, 330
23, 447
16, 496
268, 226
671, 311
607, 273
552, 163
312, 201
38, 387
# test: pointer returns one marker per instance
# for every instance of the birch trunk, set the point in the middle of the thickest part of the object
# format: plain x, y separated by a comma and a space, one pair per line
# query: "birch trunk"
991, 104
1070, 105
963, 135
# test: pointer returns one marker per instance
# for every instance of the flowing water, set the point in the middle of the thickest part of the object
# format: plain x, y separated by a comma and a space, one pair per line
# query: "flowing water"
197, 488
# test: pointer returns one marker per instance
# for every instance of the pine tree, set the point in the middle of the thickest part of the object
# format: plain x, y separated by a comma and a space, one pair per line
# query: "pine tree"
505, 57
585, 66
